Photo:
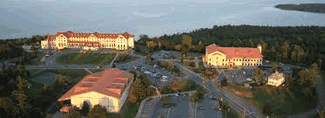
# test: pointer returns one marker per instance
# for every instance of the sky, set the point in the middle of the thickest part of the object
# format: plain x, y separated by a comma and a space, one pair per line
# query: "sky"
24, 18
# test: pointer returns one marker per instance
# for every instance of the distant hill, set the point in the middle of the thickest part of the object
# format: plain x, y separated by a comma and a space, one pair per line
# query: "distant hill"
314, 8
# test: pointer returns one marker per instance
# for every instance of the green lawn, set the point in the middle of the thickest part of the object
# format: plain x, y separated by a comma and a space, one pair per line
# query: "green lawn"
291, 104
127, 111
35, 90
96, 70
294, 102
127, 58
230, 114
87, 58
33, 71
75, 74
37, 59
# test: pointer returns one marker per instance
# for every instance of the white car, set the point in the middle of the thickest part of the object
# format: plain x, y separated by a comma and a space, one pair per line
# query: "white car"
147, 72
164, 77
163, 80
249, 79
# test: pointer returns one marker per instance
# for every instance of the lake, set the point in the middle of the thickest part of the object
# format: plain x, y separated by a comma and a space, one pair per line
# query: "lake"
20, 18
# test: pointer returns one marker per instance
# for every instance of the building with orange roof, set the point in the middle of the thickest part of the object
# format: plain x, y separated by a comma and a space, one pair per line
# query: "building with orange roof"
217, 56
89, 41
109, 88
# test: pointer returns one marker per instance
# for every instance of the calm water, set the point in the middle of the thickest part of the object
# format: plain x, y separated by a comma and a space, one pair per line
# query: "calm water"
25, 18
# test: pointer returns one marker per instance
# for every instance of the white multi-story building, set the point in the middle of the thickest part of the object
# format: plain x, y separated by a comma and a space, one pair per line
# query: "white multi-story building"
89, 41
275, 79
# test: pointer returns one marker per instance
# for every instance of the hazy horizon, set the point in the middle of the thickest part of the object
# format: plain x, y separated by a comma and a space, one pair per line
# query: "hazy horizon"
24, 18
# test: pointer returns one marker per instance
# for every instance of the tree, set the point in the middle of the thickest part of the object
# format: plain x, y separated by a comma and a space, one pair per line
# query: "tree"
171, 67
46, 87
6, 102
165, 100
193, 97
68, 79
200, 91
178, 47
258, 75
148, 58
274, 66
176, 85
200, 47
267, 109
98, 111
163, 63
140, 88
313, 73
85, 108
74, 112
33, 49
303, 77
20, 95
59, 80
297, 53
285, 50
187, 40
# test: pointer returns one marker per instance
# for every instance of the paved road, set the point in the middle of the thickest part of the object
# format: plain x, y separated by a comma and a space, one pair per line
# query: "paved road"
237, 103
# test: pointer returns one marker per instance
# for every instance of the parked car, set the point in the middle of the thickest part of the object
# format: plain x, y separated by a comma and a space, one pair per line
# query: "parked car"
147, 72
176, 95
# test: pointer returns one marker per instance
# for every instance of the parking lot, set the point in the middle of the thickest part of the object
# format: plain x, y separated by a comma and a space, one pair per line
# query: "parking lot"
238, 75
154, 73
184, 108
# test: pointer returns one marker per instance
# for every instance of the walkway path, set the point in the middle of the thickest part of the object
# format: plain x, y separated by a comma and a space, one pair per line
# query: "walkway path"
88, 71
111, 64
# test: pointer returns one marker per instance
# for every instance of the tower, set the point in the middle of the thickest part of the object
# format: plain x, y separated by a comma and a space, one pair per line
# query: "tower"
259, 47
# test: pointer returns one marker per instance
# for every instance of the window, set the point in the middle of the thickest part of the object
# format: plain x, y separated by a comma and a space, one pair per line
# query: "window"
223, 59
233, 59
237, 59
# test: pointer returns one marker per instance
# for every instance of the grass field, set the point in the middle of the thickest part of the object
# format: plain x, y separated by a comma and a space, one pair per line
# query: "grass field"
75, 74
230, 114
37, 59
127, 111
87, 58
294, 101
127, 58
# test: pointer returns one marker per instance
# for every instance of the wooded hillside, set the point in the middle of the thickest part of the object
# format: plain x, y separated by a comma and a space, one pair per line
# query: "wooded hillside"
301, 45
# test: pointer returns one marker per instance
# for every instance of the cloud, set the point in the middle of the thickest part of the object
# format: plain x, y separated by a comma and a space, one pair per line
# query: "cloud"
146, 15
228, 17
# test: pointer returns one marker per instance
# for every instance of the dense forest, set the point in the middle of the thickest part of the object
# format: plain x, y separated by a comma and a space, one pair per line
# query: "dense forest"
10, 48
314, 8
301, 45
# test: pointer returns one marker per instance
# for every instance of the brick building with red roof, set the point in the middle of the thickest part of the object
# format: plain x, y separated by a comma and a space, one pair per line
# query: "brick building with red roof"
109, 88
87, 41
232, 56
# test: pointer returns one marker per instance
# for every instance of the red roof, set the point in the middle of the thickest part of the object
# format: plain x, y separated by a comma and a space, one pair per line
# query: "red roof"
235, 52
108, 82
51, 37
65, 109
69, 34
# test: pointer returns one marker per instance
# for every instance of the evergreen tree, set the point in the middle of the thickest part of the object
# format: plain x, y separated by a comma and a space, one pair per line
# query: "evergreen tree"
98, 111
85, 108
74, 112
